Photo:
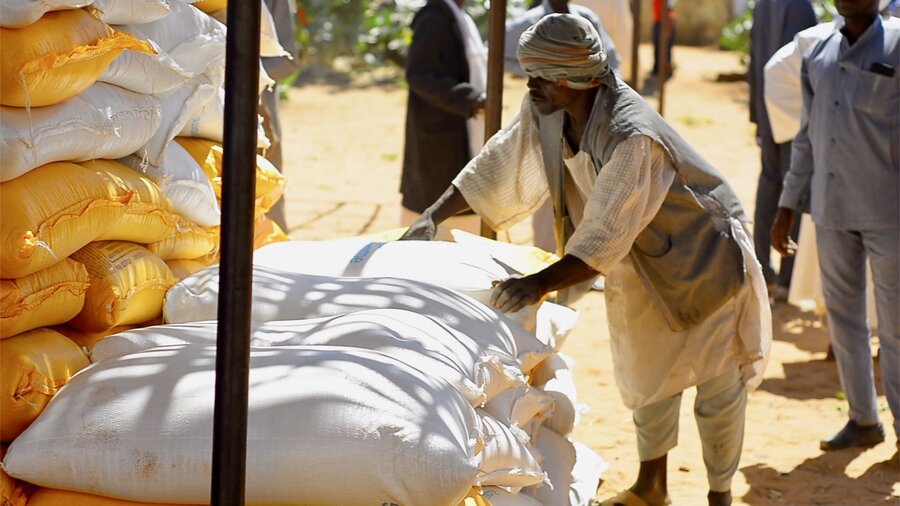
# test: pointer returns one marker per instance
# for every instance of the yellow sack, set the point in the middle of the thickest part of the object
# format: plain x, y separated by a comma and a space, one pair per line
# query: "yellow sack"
54, 497
270, 183
149, 215
47, 297
210, 6
58, 57
187, 241
266, 231
33, 367
473, 498
128, 284
184, 268
51, 212
12, 491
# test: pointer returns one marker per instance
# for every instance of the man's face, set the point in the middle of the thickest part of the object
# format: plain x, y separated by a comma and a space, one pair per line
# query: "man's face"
549, 97
852, 8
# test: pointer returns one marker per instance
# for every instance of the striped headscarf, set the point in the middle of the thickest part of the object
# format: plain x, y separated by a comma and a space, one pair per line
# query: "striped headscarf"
565, 49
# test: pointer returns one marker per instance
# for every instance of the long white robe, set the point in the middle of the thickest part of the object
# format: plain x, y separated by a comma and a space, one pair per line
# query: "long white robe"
506, 182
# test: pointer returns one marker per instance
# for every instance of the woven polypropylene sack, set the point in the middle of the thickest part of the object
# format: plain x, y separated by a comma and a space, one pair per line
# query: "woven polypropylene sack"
57, 57
149, 216
573, 469
279, 295
35, 365
185, 268
554, 376
104, 121
13, 492
183, 181
51, 212
187, 42
46, 297
56, 497
118, 12
407, 336
145, 426
210, 6
187, 241
19, 13
506, 454
128, 284
270, 182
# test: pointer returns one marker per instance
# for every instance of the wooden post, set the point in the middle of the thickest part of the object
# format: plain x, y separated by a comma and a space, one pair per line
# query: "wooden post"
635, 43
665, 34
494, 106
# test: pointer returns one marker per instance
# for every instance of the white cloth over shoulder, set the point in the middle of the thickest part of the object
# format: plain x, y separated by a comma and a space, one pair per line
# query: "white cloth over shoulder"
784, 99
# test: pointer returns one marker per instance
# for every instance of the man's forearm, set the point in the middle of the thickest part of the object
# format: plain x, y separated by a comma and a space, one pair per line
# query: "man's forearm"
449, 204
569, 271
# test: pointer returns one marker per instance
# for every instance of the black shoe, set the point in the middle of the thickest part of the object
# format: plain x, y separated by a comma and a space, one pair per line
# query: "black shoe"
854, 435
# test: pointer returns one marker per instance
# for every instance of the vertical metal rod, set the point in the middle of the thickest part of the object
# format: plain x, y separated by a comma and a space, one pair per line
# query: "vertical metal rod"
662, 72
235, 287
635, 43
494, 107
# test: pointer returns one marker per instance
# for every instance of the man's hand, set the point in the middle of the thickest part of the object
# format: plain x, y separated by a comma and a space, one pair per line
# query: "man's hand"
781, 232
423, 229
515, 293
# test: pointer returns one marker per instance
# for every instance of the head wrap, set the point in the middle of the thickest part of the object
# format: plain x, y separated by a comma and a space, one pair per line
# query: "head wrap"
565, 49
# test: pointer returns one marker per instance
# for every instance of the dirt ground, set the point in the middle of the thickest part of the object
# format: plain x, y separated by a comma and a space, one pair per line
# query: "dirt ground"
343, 151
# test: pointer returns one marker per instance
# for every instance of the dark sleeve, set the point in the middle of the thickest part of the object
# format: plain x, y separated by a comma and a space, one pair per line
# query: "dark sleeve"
799, 17
426, 65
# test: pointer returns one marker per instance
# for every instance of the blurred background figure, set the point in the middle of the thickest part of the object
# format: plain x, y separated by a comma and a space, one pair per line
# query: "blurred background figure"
775, 23
446, 70
517, 26
616, 17
284, 13
657, 35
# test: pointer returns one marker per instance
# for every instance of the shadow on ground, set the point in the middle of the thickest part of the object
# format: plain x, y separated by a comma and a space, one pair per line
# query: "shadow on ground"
805, 484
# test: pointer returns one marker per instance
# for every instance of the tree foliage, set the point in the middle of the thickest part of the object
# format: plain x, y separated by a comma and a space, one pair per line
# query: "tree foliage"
368, 33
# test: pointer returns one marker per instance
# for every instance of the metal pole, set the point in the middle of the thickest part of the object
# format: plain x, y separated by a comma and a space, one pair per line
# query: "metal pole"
494, 107
235, 284
662, 72
635, 43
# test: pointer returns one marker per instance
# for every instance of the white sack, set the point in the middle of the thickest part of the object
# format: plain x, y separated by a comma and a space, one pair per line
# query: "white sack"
502, 497
279, 295
553, 324
783, 96
179, 107
19, 13
554, 376
523, 407
326, 426
409, 337
124, 12
104, 121
189, 43
461, 267
181, 180
573, 470
209, 122
505, 452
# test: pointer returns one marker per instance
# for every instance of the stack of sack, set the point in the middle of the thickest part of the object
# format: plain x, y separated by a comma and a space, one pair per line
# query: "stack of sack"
379, 362
103, 210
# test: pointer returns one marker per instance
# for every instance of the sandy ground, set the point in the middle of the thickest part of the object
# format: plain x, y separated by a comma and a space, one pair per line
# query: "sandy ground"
343, 152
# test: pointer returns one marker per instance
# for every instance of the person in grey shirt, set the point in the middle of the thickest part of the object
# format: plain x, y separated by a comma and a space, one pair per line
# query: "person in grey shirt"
775, 23
845, 170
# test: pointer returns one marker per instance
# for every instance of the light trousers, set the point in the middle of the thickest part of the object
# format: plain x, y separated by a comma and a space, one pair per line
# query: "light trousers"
842, 263
719, 411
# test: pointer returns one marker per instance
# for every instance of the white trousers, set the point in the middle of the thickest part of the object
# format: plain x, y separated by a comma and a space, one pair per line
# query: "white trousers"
719, 412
